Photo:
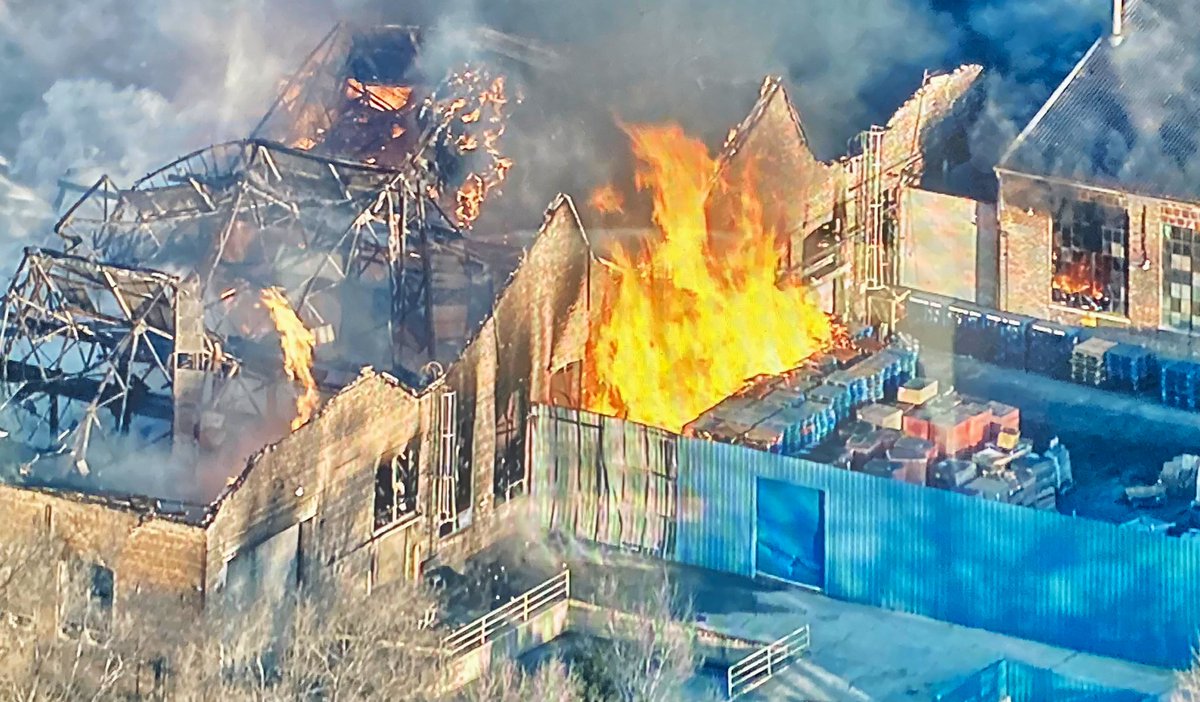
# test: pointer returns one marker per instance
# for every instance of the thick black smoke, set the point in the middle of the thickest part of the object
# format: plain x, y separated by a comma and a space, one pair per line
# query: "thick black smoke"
122, 86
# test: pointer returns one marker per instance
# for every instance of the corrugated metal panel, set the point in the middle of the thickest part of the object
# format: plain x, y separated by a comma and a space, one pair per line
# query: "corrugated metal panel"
604, 480
1072, 582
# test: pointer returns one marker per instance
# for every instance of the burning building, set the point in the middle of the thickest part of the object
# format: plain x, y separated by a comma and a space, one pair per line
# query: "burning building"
1098, 199
341, 234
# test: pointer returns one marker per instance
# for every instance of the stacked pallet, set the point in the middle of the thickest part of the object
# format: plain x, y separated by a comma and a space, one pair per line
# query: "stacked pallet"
917, 391
1049, 349
883, 468
952, 473
1036, 481
1010, 338
1130, 367
881, 416
1088, 366
914, 455
1180, 384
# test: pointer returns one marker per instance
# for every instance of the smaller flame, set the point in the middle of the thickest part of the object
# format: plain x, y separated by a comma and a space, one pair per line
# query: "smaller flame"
297, 343
397, 131
385, 98
470, 199
606, 199
484, 104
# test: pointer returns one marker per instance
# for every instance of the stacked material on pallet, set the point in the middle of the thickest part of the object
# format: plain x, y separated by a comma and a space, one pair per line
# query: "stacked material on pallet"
1088, 366
914, 459
979, 422
881, 415
861, 448
993, 489
883, 468
1180, 384
917, 423
950, 430
1003, 417
835, 397
1179, 475
728, 420
952, 473
1037, 478
816, 421
1130, 367
917, 391
971, 336
1010, 338
1049, 348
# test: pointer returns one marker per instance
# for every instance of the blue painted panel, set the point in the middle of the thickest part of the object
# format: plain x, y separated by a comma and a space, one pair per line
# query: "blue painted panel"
1067, 581
1063, 580
789, 533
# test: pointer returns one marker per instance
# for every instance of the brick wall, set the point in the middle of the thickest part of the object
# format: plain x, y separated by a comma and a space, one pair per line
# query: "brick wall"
325, 471
158, 565
1026, 240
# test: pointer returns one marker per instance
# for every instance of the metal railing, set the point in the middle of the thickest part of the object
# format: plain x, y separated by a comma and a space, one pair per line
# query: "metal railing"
757, 668
516, 612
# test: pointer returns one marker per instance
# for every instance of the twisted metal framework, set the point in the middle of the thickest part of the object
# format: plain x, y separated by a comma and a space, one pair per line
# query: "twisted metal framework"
90, 348
338, 198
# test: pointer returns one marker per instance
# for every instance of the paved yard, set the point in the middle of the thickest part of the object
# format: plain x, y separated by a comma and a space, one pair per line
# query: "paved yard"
859, 653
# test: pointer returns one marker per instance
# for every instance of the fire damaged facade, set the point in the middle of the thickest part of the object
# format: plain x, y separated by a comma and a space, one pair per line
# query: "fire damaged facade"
1098, 198
838, 222
355, 200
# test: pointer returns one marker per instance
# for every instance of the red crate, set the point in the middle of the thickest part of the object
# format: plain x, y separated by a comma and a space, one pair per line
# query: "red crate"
917, 425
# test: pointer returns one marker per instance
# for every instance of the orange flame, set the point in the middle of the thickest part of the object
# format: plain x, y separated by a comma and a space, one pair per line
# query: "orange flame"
297, 343
385, 98
470, 199
685, 325
484, 104
606, 199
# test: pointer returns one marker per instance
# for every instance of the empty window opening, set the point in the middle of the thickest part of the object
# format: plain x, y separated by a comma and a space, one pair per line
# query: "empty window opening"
1090, 254
396, 486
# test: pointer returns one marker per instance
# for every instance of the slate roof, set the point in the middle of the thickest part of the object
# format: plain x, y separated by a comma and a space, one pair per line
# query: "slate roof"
1128, 116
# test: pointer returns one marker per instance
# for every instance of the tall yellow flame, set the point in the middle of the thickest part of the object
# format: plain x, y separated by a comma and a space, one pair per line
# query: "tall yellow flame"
688, 322
297, 343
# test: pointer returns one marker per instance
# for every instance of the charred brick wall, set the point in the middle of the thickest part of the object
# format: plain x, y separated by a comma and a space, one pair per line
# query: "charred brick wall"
157, 564
323, 474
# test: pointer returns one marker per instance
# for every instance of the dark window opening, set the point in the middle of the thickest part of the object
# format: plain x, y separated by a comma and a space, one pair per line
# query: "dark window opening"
101, 590
1181, 280
396, 485
509, 473
1091, 266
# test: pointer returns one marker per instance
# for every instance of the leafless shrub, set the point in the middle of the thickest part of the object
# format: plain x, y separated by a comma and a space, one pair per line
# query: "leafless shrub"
1187, 682
647, 651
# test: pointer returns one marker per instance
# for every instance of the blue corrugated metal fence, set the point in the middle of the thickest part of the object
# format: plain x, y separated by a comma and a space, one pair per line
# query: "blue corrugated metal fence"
1067, 581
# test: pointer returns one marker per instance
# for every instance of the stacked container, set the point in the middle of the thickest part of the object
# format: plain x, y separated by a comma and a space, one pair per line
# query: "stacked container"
1180, 384
1010, 338
971, 336
1088, 366
814, 422
1049, 350
1130, 367
952, 473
